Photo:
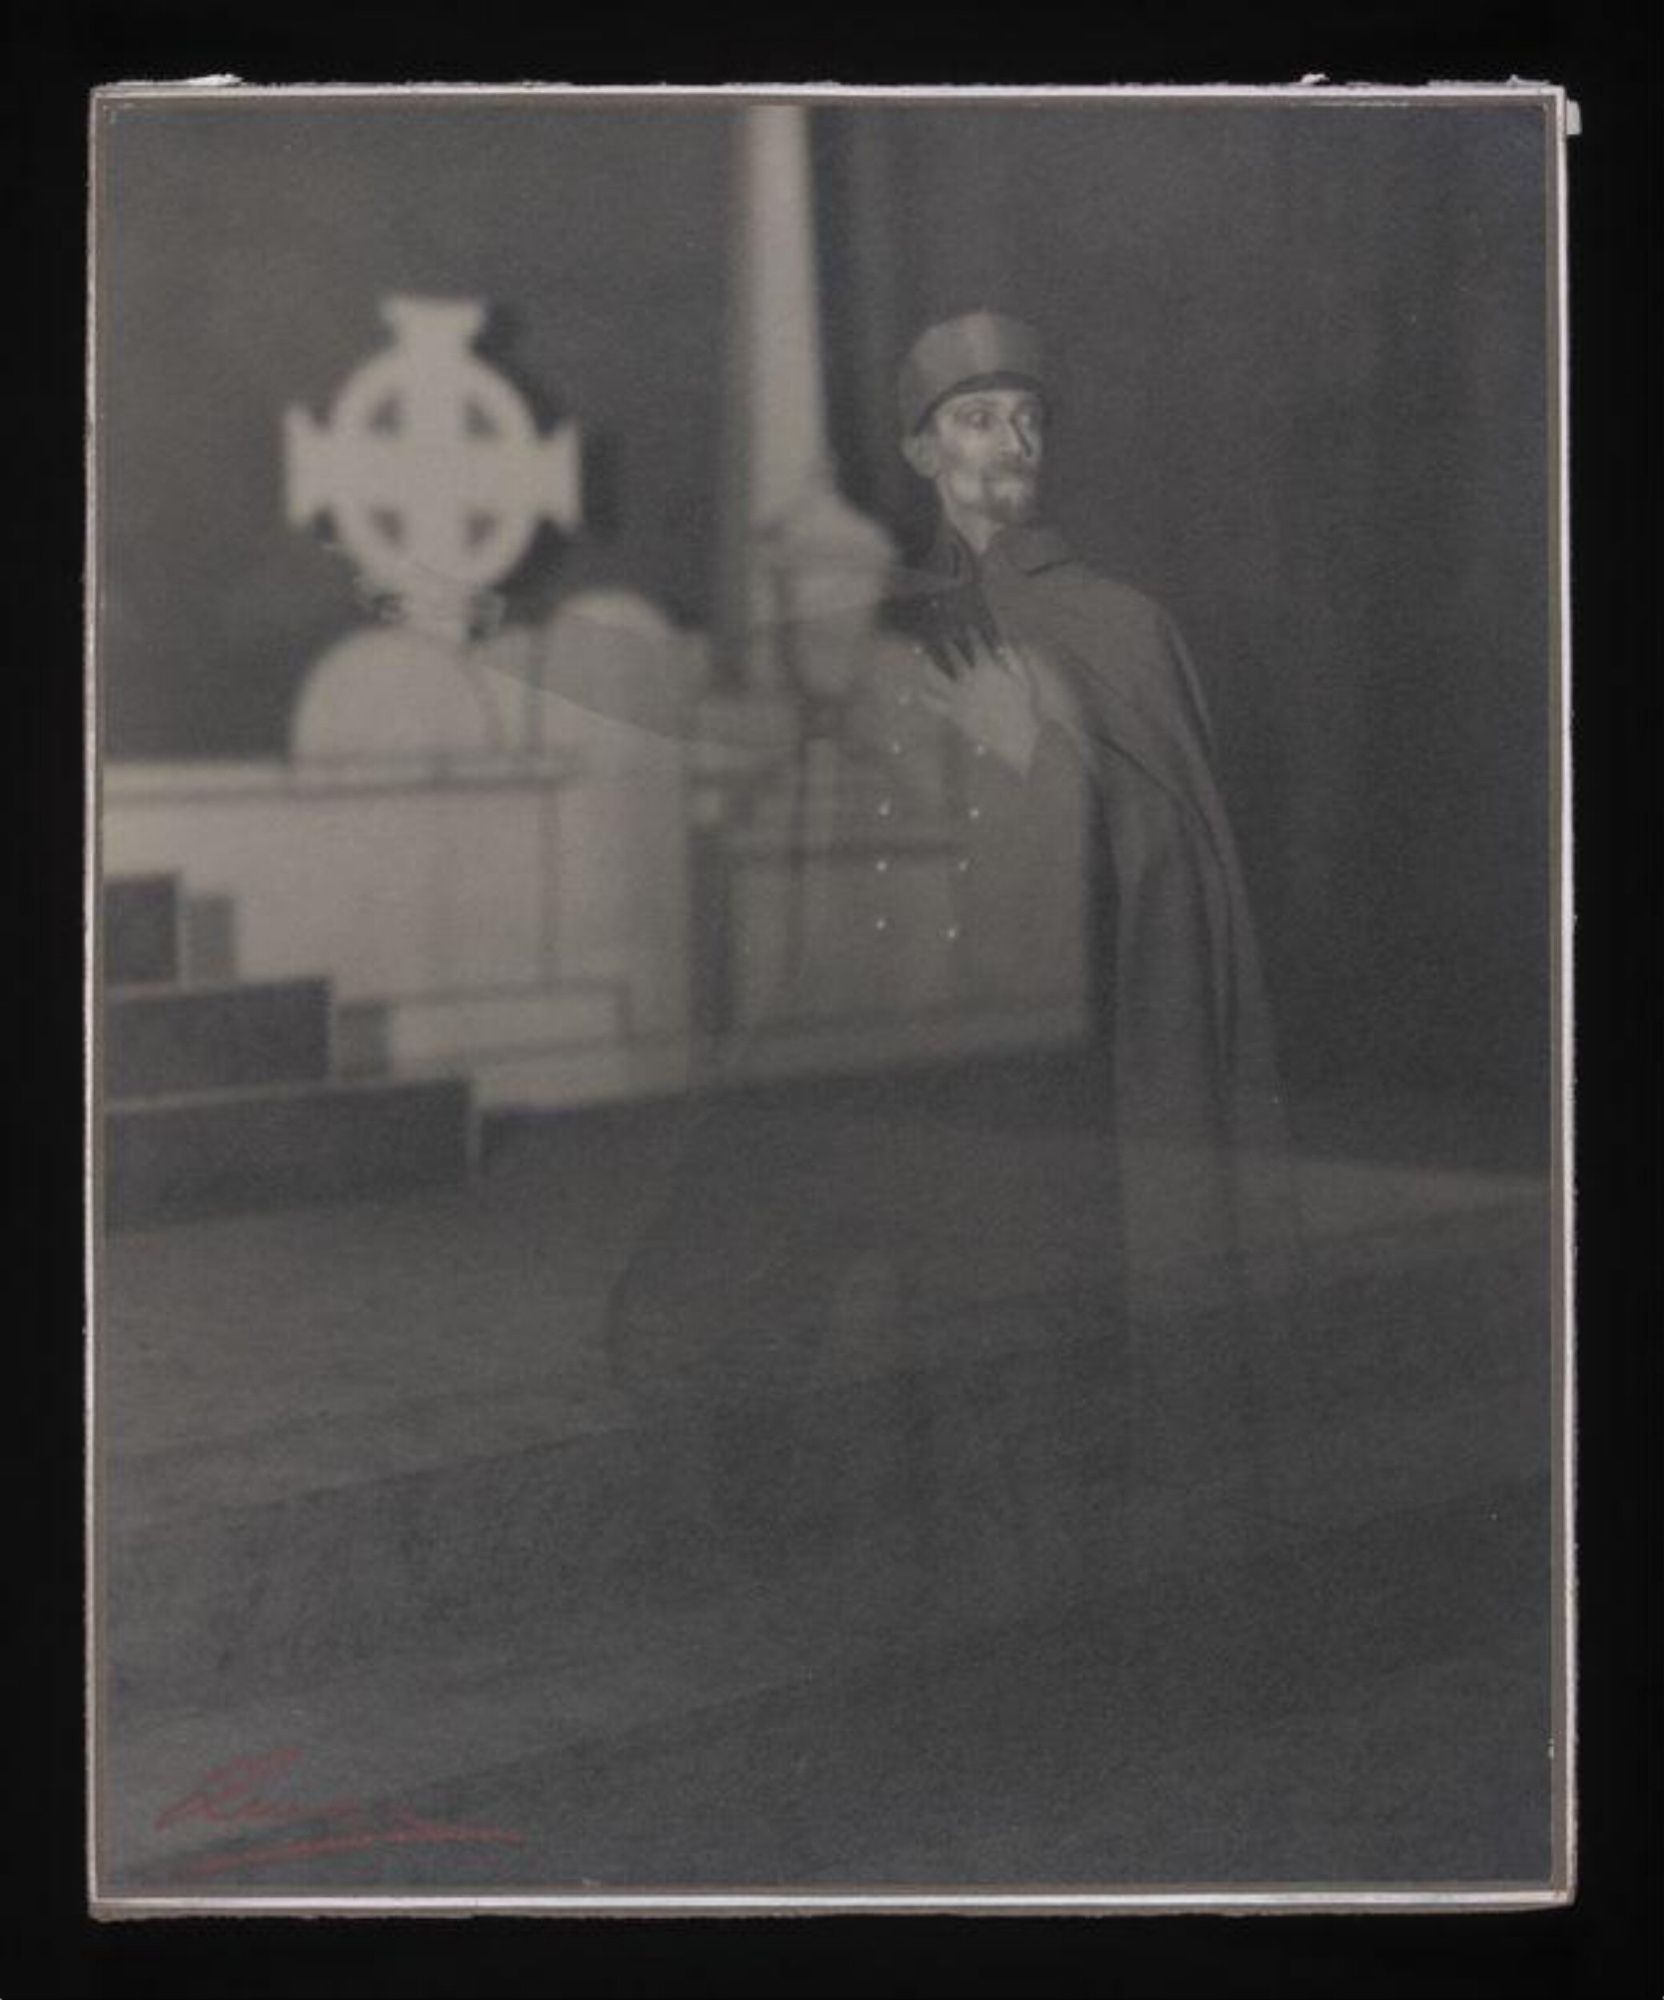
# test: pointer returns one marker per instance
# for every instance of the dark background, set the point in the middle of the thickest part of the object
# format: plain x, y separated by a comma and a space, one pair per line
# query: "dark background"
1304, 405
1609, 1940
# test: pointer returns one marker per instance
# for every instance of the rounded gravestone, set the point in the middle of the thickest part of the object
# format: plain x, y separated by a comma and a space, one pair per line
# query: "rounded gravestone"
616, 668
397, 695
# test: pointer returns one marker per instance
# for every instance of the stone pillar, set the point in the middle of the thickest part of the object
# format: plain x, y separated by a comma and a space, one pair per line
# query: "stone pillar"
796, 553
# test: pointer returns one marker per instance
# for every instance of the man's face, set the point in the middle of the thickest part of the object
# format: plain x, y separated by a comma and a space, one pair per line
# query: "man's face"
982, 450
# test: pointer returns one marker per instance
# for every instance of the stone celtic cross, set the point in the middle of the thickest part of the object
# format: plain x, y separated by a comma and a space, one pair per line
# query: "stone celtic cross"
431, 467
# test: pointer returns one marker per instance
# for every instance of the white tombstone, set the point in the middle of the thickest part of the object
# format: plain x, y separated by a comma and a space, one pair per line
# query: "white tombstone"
432, 474
392, 694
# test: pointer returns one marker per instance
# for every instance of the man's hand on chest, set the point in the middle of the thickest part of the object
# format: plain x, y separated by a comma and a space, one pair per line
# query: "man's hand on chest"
993, 702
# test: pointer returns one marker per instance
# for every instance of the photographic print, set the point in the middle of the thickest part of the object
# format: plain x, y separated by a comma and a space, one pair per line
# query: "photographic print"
828, 998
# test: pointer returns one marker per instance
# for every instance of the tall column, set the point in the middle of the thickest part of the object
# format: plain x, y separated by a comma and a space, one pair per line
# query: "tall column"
795, 551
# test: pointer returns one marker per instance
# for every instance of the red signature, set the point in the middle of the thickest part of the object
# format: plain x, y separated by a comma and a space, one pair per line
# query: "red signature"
236, 1795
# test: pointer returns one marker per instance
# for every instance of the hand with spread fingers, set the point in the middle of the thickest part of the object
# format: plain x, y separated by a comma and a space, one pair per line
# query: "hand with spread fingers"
993, 701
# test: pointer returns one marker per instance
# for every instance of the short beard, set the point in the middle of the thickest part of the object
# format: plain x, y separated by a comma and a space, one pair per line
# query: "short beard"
1012, 499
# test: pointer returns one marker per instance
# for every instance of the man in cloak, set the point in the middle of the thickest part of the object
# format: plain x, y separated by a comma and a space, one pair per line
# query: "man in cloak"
1058, 669
1129, 1191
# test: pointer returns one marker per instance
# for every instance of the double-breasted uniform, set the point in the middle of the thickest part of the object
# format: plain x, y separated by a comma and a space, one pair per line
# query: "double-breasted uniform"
1144, 1172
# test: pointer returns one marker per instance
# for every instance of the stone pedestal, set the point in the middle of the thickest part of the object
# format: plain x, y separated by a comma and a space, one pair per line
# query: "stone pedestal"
483, 849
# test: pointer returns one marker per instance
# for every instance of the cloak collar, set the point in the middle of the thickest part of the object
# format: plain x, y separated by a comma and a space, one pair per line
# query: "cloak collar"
1028, 549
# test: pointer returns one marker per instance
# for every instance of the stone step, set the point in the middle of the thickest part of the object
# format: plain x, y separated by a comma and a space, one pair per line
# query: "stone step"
579, 1074
412, 1034
142, 935
211, 1152
167, 1043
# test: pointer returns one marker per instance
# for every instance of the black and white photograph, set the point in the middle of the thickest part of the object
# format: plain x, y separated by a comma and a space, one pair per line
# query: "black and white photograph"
828, 989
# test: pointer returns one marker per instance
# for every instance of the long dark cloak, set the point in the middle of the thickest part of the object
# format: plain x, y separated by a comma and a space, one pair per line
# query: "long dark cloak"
1198, 1105
741, 1249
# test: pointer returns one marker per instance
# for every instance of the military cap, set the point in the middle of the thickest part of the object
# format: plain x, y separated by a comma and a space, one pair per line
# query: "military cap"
974, 351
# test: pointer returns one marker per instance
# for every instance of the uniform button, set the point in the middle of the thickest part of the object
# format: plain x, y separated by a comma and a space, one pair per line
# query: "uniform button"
884, 808
979, 749
895, 746
882, 864
951, 933
963, 865
881, 923
973, 812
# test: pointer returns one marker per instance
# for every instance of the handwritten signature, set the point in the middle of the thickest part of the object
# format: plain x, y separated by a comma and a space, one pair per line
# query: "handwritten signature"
238, 1795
